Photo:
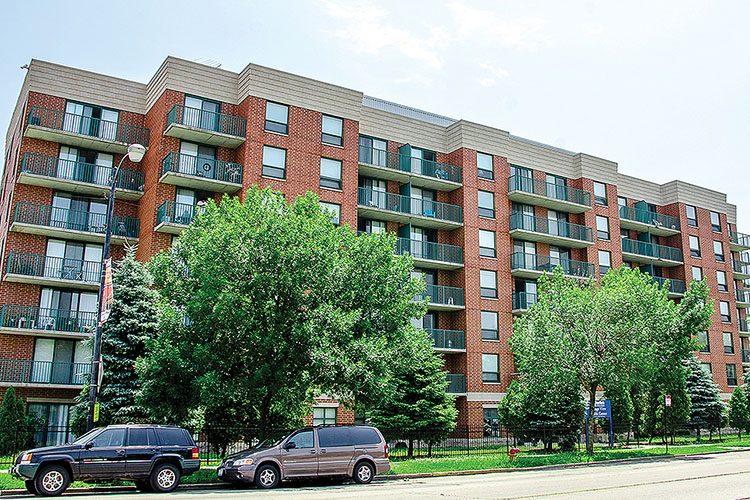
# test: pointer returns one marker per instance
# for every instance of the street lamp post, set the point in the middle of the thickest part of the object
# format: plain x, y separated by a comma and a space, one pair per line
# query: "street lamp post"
135, 153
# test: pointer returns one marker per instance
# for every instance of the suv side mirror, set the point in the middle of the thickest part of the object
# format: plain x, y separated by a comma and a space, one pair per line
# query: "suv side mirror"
89, 445
289, 446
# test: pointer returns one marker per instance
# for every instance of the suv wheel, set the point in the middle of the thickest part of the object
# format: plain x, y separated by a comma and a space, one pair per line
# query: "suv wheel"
266, 477
51, 481
165, 478
363, 473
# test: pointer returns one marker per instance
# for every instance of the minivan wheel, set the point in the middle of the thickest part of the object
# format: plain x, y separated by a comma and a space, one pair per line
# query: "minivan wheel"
30, 487
266, 477
164, 478
363, 473
51, 481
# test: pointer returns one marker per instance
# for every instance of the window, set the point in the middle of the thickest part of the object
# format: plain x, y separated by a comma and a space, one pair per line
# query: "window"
304, 439
719, 251
364, 436
489, 326
110, 438
174, 437
274, 162
335, 208
487, 243
371, 226
486, 201
488, 284
703, 341
333, 130
706, 367
695, 246
491, 422
715, 222
324, 416
724, 312
139, 436
90, 120
721, 279
490, 368
602, 227
331, 437
692, 218
605, 261
373, 151
731, 374
600, 193
485, 169
728, 343
277, 118
697, 273
330, 173
622, 201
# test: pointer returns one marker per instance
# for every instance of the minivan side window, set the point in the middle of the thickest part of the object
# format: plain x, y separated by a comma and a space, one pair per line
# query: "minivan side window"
303, 439
173, 437
109, 438
329, 437
141, 437
364, 435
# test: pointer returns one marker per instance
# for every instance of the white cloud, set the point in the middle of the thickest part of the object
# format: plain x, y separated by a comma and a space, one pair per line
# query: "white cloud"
479, 24
492, 72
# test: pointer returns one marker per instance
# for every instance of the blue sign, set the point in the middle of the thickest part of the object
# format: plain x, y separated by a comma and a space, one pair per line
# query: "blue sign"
602, 409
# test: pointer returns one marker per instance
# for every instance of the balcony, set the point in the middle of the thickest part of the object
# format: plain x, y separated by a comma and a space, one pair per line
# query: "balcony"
30, 320
746, 356
205, 127
455, 383
196, 172
447, 340
396, 207
740, 269
529, 265
431, 255
29, 373
83, 131
547, 194
676, 287
399, 167
53, 271
650, 253
642, 220
65, 223
173, 218
739, 242
443, 298
79, 177
530, 228
522, 301
742, 298
743, 326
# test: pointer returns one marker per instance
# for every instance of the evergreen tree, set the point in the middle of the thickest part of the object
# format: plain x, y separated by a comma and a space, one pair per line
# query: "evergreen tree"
708, 411
512, 411
14, 424
132, 322
739, 413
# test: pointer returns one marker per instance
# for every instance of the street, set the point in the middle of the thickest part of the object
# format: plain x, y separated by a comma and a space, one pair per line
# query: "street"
723, 476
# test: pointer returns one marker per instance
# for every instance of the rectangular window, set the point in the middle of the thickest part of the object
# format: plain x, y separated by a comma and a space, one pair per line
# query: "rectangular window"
695, 246
324, 416
731, 375
277, 118
486, 201
697, 273
373, 151
490, 368
721, 280
491, 422
605, 261
728, 343
335, 210
692, 217
330, 173
719, 251
487, 243
600, 194
724, 312
333, 130
706, 367
485, 169
703, 341
715, 222
488, 284
622, 201
489, 326
602, 227
274, 162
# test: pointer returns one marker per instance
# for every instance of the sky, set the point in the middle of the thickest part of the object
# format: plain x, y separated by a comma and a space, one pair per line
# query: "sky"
662, 88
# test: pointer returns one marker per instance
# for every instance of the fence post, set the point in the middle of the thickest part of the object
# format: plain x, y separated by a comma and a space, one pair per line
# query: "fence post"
507, 438
467, 440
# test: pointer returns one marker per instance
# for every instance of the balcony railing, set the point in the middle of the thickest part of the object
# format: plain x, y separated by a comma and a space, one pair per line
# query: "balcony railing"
743, 326
545, 263
206, 120
447, 339
648, 217
77, 220
43, 266
742, 295
26, 371
393, 202
549, 190
86, 125
653, 250
746, 355
444, 295
206, 168
171, 212
551, 227
675, 286
40, 318
739, 239
428, 250
740, 267
70, 170
523, 300
397, 161
455, 383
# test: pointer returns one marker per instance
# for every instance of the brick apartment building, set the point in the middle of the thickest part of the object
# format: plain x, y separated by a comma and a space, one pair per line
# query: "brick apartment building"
483, 212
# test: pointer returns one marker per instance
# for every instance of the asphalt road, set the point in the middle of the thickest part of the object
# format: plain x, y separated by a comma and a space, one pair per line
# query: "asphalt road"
706, 477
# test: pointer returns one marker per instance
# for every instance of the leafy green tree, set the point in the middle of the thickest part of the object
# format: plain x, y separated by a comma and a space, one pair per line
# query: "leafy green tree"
739, 413
661, 420
266, 303
512, 411
708, 411
14, 424
420, 408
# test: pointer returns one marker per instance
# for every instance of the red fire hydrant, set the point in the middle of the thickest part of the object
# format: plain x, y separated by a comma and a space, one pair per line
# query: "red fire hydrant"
512, 453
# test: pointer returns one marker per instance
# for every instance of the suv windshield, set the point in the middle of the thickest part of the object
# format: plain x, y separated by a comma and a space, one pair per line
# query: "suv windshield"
88, 435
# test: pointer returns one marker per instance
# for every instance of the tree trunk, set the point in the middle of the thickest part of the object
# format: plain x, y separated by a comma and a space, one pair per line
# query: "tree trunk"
411, 448
591, 422
265, 413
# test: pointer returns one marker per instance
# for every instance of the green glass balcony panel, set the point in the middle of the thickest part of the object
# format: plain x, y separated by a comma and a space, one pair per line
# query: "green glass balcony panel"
523, 300
43, 266
78, 171
549, 190
447, 339
651, 250
739, 239
740, 267
171, 212
198, 166
443, 295
430, 251
393, 202
207, 120
397, 161
40, 318
675, 286
85, 125
743, 326
551, 227
26, 371
742, 295
455, 383
545, 263
650, 218
77, 220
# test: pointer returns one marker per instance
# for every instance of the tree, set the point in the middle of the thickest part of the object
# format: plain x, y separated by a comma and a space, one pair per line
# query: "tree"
661, 420
739, 413
264, 304
419, 408
708, 411
132, 322
14, 424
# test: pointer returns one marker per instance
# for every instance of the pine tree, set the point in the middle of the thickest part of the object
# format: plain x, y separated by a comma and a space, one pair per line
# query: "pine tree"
708, 411
14, 424
131, 323
739, 413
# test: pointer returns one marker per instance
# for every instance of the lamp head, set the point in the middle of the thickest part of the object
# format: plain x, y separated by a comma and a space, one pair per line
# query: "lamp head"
136, 152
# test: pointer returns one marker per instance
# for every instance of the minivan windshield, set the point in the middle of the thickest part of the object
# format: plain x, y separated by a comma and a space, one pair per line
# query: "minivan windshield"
88, 435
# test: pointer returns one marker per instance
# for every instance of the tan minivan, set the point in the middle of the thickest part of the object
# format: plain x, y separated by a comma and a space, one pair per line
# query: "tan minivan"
358, 452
